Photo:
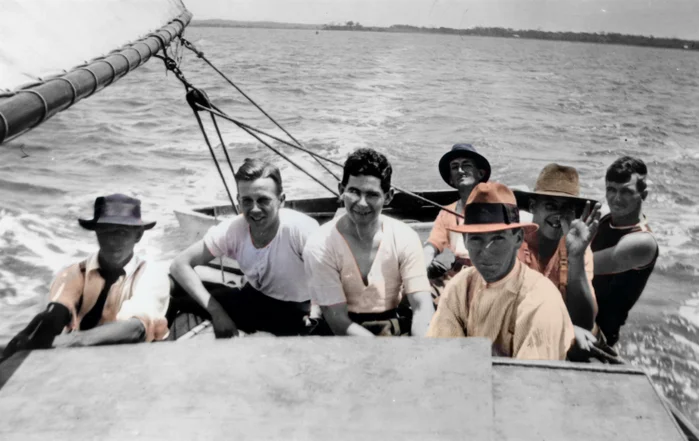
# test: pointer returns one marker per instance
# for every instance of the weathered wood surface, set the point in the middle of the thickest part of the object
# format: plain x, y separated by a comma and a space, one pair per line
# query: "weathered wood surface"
253, 389
548, 403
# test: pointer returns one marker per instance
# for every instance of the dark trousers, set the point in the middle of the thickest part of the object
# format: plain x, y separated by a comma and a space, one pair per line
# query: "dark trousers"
250, 309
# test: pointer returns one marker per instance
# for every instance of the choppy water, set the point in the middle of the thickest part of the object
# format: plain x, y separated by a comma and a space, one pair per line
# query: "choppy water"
523, 103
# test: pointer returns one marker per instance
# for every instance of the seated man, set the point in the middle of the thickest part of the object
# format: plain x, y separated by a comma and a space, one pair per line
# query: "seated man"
500, 298
360, 264
267, 241
110, 297
560, 248
462, 168
625, 249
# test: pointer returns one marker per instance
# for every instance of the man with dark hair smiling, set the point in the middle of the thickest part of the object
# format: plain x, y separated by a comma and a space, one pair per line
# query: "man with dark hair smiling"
267, 241
500, 298
361, 264
625, 249
110, 297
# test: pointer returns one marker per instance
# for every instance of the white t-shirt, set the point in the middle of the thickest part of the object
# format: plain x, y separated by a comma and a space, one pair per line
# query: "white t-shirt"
276, 270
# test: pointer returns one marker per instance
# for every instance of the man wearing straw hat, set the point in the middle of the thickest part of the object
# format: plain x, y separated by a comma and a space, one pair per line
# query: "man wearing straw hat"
500, 298
461, 168
110, 297
560, 248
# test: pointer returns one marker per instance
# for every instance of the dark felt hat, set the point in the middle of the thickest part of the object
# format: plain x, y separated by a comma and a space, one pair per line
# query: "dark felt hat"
463, 151
116, 209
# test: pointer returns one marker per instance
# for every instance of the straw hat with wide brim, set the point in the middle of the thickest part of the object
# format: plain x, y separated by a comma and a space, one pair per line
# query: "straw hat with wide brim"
116, 209
557, 181
492, 207
463, 151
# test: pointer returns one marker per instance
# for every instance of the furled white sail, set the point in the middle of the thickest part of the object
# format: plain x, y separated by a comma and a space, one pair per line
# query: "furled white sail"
41, 38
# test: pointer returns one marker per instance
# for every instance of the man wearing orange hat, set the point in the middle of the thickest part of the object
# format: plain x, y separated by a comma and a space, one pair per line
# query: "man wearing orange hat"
560, 248
500, 298
462, 168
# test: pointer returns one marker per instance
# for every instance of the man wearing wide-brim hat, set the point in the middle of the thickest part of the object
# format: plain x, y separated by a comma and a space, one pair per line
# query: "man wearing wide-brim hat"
560, 248
461, 168
112, 296
500, 298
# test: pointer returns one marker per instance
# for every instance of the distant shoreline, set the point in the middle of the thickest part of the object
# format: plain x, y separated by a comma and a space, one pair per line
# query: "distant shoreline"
584, 37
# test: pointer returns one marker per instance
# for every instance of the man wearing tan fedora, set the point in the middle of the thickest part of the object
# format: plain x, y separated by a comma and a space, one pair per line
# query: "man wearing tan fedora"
500, 298
461, 168
110, 297
560, 248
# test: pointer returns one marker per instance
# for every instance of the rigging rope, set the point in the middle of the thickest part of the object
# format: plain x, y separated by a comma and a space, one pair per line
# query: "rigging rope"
198, 100
189, 45
216, 111
193, 97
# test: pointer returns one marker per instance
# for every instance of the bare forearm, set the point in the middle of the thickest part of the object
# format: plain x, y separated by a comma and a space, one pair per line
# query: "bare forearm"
579, 299
339, 322
120, 332
423, 310
185, 275
429, 252
357, 330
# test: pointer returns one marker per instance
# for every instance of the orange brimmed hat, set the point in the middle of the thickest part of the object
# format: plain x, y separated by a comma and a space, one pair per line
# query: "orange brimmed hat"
492, 207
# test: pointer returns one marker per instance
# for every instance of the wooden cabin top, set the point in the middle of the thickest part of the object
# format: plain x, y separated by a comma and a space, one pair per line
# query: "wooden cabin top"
319, 388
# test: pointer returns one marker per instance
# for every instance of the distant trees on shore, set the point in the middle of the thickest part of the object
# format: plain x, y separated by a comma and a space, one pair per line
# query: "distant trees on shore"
605, 38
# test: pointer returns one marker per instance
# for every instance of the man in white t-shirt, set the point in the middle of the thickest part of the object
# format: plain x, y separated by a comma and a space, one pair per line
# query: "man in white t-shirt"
361, 265
267, 241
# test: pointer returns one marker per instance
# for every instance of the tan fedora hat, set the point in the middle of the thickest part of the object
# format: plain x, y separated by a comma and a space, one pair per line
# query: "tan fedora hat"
491, 207
557, 181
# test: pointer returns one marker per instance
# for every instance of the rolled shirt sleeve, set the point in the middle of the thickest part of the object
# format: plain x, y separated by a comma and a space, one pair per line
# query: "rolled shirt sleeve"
452, 315
323, 274
221, 239
67, 289
439, 236
149, 301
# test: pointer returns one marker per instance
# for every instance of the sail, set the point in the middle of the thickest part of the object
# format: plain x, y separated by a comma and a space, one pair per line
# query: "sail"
43, 38
55, 53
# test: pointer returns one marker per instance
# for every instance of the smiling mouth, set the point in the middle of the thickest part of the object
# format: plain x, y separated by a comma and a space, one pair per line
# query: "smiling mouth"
554, 223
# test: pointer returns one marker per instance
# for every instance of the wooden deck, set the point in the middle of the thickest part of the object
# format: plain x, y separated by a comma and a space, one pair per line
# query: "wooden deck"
320, 389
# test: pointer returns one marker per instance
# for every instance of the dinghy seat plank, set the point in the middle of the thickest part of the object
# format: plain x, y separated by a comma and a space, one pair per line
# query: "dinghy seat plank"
249, 389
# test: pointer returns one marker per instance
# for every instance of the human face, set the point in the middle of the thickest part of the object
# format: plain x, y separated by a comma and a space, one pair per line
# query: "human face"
494, 254
364, 199
464, 173
260, 203
549, 213
117, 242
624, 199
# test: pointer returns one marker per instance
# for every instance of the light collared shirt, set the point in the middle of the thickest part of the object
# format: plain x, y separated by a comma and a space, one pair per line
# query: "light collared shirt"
142, 292
522, 314
441, 237
397, 269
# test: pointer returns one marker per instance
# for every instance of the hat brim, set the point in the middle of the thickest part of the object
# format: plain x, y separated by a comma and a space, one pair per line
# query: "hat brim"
90, 224
479, 159
492, 228
524, 199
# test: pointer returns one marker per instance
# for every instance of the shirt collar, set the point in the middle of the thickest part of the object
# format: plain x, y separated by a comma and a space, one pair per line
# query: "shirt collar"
510, 280
93, 264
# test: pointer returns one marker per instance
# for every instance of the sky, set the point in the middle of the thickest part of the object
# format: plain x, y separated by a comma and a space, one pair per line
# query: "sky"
661, 18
